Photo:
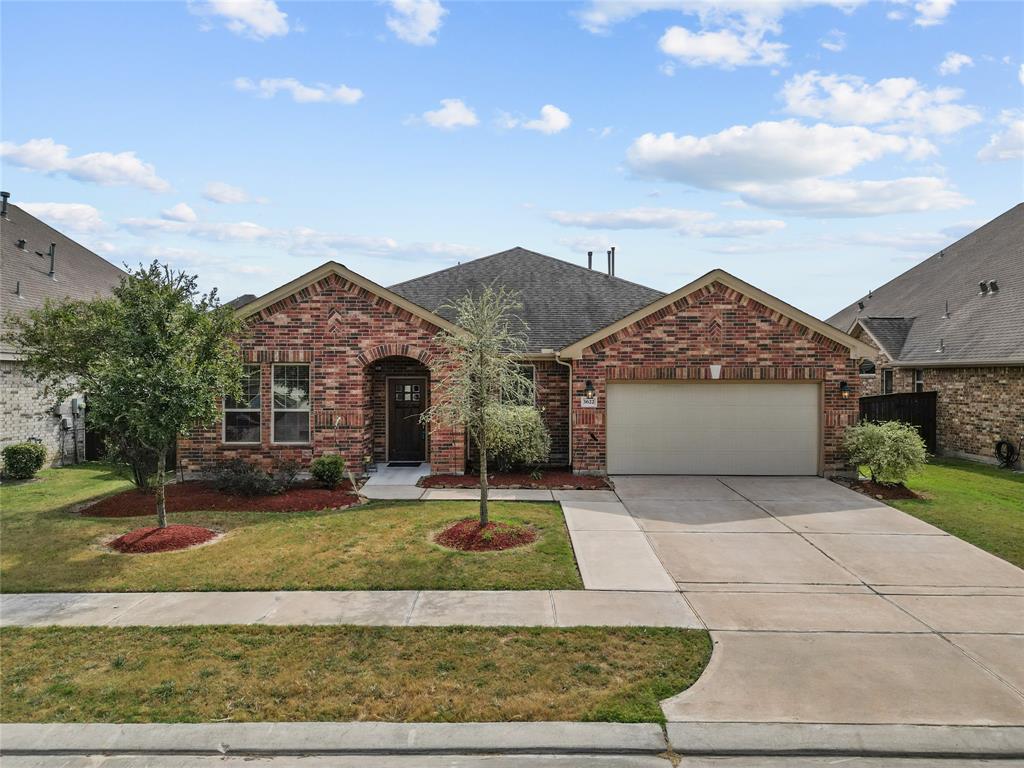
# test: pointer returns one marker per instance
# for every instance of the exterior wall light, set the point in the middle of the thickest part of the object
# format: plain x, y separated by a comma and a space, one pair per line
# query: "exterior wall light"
844, 389
588, 389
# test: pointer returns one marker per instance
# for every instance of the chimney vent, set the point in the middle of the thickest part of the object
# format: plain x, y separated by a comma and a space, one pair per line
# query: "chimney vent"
982, 288
17, 289
993, 286
609, 262
613, 261
860, 305
21, 243
590, 259
945, 315
942, 346
53, 260
3, 205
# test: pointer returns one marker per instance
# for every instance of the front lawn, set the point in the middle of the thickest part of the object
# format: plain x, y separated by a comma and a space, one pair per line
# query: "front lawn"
976, 502
410, 674
382, 545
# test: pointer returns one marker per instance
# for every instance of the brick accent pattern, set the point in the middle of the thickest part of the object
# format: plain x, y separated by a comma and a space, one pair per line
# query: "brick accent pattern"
341, 330
715, 325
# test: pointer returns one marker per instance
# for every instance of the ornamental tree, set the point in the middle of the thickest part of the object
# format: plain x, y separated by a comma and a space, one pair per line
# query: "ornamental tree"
154, 360
482, 372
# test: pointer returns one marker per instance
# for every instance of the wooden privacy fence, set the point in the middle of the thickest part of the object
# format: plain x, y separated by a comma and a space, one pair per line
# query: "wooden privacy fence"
917, 408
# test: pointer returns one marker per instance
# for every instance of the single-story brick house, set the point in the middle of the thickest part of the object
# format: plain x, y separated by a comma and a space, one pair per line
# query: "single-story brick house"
715, 377
954, 324
40, 263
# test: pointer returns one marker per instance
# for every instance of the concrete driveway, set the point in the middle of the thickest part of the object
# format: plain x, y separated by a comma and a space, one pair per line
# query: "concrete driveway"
828, 607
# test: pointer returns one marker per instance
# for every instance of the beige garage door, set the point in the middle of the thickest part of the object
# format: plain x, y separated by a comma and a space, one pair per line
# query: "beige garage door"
713, 428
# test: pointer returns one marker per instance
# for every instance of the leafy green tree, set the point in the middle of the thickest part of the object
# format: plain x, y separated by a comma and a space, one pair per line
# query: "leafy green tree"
482, 371
154, 360
891, 450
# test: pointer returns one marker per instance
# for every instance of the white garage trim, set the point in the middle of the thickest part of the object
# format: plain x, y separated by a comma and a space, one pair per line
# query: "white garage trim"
715, 427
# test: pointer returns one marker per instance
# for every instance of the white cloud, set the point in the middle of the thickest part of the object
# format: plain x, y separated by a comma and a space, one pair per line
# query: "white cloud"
269, 87
1007, 144
683, 221
835, 41
764, 152
895, 15
954, 62
724, 48
179, 212
105, 168
255, 19
551, 120
893, 103
72, 217
416, 21
220, 192
1020, 74
932, 12
452, 114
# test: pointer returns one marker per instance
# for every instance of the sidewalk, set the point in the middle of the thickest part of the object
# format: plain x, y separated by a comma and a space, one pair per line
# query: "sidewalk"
539, 608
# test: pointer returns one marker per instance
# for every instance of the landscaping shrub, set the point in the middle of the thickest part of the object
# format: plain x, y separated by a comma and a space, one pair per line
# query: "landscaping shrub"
516, 437
241, 478
891, 450
329, 470
23, 460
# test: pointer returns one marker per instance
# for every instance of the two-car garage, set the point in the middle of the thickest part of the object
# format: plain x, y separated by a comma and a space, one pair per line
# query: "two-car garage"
714, 427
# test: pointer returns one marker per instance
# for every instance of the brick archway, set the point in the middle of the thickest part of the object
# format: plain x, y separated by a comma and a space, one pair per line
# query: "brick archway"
396, 350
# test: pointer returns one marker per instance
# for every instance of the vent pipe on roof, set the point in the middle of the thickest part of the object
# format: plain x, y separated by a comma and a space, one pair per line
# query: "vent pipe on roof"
21, 244
53, 260
3, 205
993, 286
942, 346
609, 252
590, 259
860, 306
613, 261
982, 288
945, 315
17, 289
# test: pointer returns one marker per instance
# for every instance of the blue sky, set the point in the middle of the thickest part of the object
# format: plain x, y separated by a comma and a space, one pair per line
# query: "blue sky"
813, 149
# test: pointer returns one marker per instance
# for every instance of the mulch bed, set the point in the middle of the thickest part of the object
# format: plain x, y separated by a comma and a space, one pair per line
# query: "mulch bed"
556, 480
880, 491
154, 539
468, 536
200, 496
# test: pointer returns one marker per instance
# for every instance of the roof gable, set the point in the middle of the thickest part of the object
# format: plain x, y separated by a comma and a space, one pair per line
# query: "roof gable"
561, 301
663, 306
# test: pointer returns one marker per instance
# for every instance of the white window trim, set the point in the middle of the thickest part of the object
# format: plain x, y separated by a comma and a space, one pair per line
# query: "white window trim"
274, 409
889, 373
225, 411
919, 379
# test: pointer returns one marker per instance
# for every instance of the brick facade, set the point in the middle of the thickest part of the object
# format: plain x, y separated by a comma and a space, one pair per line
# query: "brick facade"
715, 325
552, 381
25, 413
343, 332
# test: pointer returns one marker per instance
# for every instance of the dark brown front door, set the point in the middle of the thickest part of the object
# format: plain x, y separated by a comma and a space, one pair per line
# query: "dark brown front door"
406, 435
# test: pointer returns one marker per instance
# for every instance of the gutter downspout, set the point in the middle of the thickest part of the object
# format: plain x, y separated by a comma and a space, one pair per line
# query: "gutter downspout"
568, 365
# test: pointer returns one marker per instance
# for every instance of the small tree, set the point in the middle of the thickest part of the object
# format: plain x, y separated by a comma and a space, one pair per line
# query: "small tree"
482, 370
891, 450
154, 360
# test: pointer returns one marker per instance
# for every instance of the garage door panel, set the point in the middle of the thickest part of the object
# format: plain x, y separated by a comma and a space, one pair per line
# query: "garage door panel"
713, 428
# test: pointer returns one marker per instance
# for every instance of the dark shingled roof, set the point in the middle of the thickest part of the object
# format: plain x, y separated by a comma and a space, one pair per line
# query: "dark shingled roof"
79, 273
908, 310
240, 301
562, 302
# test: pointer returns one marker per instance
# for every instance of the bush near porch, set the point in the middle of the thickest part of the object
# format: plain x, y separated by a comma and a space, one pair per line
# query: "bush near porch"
382, 545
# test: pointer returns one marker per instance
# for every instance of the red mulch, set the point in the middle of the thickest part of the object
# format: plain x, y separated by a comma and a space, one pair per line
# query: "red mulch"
154, 539
199, 496
555, 479
468, 536
880, 491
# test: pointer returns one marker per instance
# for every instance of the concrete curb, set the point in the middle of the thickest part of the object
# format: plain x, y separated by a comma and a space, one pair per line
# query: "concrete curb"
549, 738
820, 739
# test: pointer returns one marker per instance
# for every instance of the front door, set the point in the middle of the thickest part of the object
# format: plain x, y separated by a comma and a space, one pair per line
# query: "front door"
406, 435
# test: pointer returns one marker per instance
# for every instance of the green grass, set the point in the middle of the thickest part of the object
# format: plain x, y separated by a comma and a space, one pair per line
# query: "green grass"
409, 674
976, 502
383, 545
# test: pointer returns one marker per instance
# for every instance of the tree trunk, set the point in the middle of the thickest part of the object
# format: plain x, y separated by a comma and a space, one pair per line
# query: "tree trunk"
483, 481
161, 495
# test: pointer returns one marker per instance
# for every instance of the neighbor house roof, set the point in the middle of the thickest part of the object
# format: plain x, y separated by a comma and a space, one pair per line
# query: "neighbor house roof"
25, 280
562, 302
907, 315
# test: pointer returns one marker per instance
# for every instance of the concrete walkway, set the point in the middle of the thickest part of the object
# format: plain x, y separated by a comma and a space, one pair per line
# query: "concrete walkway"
540, 608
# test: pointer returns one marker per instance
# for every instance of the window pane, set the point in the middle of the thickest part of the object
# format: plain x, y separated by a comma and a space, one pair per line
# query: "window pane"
250, 389
242, 427
291, 386
291, 427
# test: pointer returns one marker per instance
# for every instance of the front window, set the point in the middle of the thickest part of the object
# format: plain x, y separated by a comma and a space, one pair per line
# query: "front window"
242, 416
291, 404
919, 380
867, 367
887, 381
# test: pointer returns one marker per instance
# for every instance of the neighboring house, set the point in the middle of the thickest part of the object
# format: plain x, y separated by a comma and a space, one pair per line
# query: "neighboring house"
716, 377
39, 263
954, 324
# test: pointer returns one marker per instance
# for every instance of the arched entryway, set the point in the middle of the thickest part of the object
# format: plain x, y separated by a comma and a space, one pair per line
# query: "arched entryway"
399, 392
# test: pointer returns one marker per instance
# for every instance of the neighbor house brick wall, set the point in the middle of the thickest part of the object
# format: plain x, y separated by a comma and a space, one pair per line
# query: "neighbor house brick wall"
25, 413
714, 325
341, 330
